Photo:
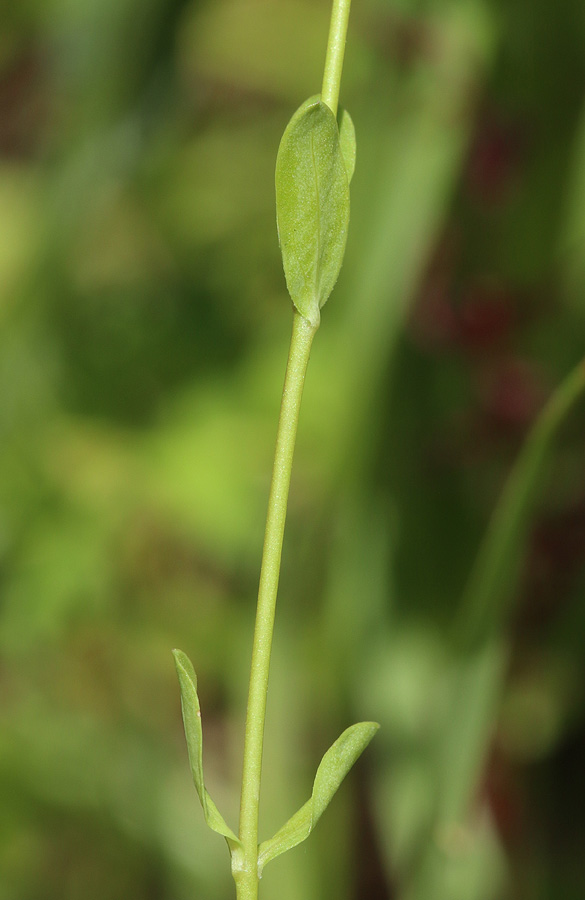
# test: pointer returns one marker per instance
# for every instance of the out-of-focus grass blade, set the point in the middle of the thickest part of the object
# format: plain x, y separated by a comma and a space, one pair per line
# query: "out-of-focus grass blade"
482, 659
573, 235
490, 586
479, 665
458, 856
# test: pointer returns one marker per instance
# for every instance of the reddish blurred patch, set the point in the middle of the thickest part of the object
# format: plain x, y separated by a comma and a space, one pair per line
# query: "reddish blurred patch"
433, 320
23, 104
487, 317
501, 790
495, 158
484, 322
405, 39
513, 391
555, 558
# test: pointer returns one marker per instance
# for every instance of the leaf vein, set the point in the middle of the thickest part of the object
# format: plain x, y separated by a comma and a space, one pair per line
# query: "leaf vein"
318, 210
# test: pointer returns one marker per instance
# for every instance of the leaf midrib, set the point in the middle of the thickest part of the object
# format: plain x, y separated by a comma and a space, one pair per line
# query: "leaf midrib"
318, 259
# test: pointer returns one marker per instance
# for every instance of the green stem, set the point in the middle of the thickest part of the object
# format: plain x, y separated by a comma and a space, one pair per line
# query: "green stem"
246, 870
300, 346
335, 52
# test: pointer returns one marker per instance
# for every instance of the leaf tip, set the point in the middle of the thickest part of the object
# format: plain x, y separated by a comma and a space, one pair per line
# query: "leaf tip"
367, 730
184, 666
375, 726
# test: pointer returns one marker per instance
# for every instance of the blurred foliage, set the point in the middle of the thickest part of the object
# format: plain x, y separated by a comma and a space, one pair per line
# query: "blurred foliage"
143, 329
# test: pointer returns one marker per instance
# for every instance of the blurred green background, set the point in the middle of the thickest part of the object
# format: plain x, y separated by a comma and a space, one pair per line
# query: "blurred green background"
144, 326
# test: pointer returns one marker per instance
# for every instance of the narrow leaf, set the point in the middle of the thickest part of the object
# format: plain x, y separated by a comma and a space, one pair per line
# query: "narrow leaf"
312, 205
193, 732
347, 141
332, 770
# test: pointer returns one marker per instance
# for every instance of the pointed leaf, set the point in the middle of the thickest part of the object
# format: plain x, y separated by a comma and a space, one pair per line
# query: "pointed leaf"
347, 141
193, 732
332, 770
312, 205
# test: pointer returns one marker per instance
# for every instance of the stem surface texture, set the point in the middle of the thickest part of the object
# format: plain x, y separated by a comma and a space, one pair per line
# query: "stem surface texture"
335, 53
300, 346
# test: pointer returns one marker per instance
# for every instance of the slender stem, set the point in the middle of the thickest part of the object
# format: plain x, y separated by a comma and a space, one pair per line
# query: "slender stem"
246, 872
300, 346
335, 52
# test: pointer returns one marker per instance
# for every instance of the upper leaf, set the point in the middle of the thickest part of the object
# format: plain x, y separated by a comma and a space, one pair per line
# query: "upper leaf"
312, 205
347, 141
332, 770
193, 732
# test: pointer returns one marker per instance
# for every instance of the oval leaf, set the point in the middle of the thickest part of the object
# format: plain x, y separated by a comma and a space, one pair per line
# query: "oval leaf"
194, 734
332, 770
347, 141
312, 205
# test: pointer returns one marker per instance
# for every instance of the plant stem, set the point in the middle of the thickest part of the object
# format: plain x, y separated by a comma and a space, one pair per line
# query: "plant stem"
300, 346
335, 52
246, 872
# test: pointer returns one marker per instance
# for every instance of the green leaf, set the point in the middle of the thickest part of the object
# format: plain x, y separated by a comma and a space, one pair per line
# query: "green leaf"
332, 770
347, 141
312, 204
193, 732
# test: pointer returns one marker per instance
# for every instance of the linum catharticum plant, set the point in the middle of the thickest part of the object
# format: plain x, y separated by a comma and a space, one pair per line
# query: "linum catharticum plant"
314, 166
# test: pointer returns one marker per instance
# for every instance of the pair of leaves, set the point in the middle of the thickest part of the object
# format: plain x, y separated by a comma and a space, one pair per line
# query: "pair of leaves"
333, 768
314, 166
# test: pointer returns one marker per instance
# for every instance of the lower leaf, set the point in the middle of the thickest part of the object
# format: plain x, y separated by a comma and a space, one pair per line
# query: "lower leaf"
332, 770
194, 734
